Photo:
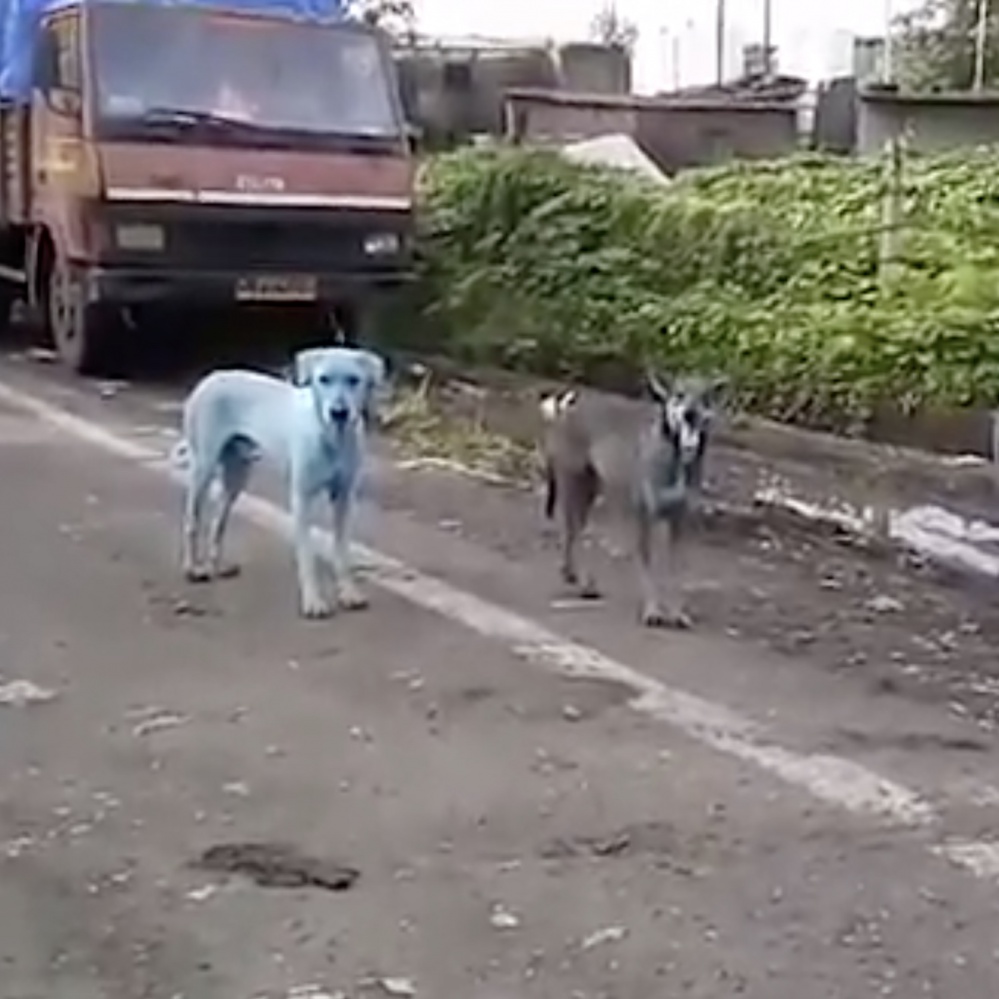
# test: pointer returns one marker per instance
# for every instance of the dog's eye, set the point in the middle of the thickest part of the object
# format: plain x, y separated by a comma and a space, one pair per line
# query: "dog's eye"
353, 381
323, 379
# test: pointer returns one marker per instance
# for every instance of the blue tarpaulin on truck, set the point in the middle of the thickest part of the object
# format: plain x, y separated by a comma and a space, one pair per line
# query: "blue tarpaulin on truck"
19, 20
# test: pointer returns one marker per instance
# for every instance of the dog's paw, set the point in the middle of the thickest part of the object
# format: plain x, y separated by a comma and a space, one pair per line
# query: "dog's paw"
675, 618
227, 570
197, 574
315, 607
588, 590
351, 599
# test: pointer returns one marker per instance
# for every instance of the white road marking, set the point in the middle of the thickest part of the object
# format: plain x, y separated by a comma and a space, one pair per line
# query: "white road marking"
834, 780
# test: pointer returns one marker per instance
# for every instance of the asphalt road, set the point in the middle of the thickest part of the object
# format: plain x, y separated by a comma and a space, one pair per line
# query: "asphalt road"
468, 790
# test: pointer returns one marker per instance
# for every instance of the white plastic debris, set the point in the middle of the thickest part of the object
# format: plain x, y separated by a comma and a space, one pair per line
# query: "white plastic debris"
502, 919
19, 693
610, 934
313, 992
158, 723
398, 986
615, 150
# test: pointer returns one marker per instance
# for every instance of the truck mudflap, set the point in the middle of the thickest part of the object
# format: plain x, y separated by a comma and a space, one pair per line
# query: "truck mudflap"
217, 289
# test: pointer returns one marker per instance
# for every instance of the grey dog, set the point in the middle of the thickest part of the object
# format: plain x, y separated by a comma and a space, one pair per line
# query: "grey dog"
650, 469
313, 427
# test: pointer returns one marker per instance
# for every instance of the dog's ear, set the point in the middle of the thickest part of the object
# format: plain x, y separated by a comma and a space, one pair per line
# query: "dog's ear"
714, 391
304, 363
658, 389
375, 374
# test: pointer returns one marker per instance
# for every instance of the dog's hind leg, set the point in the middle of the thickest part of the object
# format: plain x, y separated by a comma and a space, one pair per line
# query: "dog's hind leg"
578, 496
349, 595
653, 615
551, 491
235, 465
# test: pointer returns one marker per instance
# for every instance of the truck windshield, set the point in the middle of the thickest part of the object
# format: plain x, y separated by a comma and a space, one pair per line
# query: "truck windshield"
185, 65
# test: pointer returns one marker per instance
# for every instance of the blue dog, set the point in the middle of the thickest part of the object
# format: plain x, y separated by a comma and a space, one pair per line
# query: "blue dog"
313, 427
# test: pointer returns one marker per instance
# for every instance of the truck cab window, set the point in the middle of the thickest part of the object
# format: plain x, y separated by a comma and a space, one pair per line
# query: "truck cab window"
57, 70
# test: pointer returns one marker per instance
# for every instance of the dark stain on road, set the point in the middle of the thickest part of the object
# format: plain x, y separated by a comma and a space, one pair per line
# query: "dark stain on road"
277, 865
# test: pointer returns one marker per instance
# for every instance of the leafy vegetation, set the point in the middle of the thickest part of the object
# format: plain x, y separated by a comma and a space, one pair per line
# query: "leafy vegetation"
768, 272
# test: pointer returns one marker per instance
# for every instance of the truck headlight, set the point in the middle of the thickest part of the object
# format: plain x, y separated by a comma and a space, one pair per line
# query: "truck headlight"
139, 236
382, 244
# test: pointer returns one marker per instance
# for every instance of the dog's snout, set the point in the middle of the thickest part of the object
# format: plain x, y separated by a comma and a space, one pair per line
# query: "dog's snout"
339, 414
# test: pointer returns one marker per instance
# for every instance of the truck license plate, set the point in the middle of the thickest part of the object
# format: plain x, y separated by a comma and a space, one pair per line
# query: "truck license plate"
276, 288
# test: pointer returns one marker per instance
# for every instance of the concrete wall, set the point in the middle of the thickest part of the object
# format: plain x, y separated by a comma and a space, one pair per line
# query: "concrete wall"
539, 123
674, 135
683, 137
933, 121
835, 125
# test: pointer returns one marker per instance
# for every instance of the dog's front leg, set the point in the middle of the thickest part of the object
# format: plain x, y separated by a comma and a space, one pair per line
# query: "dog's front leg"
652, 613
198, 486
349, 596
676, 567
312, 602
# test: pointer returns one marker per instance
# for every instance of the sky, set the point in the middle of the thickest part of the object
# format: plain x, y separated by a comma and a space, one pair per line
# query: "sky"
813, 36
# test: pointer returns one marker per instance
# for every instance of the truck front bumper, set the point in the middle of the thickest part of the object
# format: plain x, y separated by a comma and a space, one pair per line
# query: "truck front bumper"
219, 289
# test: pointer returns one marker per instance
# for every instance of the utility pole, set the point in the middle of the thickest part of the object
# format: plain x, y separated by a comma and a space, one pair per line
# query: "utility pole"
981, 40
720, 42
768, 39
888, 60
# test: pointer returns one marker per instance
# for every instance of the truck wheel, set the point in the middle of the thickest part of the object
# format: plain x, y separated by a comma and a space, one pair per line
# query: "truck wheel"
80, 331
8, 296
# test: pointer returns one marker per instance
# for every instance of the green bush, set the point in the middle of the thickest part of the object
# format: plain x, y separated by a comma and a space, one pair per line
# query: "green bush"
767, 271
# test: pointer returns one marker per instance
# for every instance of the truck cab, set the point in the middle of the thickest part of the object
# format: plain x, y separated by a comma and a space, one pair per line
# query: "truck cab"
186, 156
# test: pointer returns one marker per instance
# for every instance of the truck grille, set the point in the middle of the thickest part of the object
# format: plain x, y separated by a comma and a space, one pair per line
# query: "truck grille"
297, 243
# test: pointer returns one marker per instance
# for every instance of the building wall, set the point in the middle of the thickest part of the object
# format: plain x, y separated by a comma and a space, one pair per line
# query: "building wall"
675, 136
546, 124
678, 138
932, 125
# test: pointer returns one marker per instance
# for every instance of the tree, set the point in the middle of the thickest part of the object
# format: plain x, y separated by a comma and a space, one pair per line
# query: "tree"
935, 45
611, 27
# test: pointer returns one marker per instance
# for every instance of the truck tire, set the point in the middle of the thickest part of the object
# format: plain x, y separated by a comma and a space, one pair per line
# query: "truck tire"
8, 296
81, 332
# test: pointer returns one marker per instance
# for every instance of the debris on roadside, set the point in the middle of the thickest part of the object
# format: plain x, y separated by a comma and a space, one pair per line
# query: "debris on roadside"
503, 919
202, 894
158, 721
396, 986
313, 992
609, 934
21, 693
884, 604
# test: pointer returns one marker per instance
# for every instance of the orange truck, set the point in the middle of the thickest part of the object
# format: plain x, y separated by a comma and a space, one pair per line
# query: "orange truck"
158, 157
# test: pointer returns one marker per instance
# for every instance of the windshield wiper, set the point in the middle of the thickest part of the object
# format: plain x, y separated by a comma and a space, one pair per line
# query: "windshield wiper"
187, 118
